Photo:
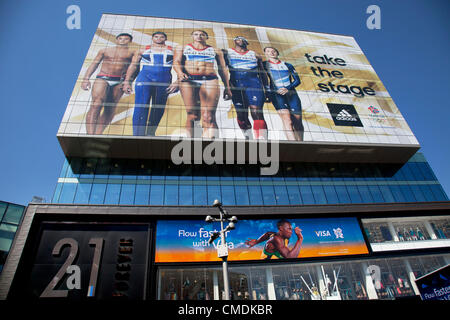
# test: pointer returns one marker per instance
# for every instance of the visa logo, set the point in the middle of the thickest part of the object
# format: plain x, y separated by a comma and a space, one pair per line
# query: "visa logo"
338, 232
323, 233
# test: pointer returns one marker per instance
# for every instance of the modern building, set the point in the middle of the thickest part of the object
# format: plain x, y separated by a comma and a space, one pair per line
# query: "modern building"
127, 218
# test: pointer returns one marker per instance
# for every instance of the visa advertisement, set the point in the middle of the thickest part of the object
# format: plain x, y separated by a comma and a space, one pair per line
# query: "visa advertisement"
148, 77
187, 240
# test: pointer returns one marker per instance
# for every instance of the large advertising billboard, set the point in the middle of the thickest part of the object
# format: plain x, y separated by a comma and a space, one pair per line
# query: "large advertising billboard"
187, 240
435, 285
161, 78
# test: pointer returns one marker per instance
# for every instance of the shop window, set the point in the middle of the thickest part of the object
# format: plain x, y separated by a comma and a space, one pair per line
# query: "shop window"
441, 228
394, 282
377, 232
412, 231
186, 284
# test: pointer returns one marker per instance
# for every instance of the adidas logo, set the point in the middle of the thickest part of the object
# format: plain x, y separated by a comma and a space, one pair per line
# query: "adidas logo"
345, 116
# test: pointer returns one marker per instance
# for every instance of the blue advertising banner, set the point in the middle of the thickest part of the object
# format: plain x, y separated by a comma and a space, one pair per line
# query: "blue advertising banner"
187, 240
435, 285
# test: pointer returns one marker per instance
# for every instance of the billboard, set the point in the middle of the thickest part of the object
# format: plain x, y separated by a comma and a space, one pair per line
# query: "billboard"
435, 285
187, 240
147, 79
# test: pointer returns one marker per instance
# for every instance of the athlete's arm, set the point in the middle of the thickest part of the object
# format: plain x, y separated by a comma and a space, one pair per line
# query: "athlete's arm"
178, 64
294, 75
263, 76
86, 85
132, 68
253, 242
221, 65
278, 245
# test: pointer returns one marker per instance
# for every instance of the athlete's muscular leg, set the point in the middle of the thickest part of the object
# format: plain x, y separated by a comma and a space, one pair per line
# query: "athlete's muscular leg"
259, 124
209, 97
109, 108
189, 94
99, 93
297, 124
285, 116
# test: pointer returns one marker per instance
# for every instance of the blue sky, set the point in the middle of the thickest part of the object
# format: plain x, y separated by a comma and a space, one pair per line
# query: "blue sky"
40, 59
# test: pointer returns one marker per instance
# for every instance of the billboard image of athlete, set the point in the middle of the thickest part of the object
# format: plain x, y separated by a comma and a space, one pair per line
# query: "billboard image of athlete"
277, 242
199, 84
247, 79
153, 83
107, 87
283, 80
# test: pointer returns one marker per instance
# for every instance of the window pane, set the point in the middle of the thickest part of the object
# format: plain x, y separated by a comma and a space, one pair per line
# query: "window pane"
55, 198
268, 195
426, 191
157, 194
3, 206
331, 195
83, 192
255, 195
319, 195
213, 193
281, 195
241, 195
387, 194
407, 193
142, 194
376, 194
112, 193
307, 194
294, 195
98, 193
13, 214
342, 194
397, 193
228, 195
353, 192
438, 192
417, 193
171, 194
365, 194
67, 193
186, 196
127, 194
200, 198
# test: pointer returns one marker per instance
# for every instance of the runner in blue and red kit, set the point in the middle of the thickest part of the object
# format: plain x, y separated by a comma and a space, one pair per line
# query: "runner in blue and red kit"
283, 80
247, 86
153, 83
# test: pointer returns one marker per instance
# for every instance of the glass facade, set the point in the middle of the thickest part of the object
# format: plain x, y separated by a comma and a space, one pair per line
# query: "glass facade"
160, 182
337, 280
10, 218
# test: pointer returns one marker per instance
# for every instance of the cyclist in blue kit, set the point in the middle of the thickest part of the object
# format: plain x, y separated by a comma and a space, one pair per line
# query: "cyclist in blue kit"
283, 80
247, 77
154, 82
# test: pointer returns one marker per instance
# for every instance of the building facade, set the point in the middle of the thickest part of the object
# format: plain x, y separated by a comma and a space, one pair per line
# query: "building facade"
367, 215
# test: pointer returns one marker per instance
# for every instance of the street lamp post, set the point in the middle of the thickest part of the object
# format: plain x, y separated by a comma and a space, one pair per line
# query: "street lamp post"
222, 248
